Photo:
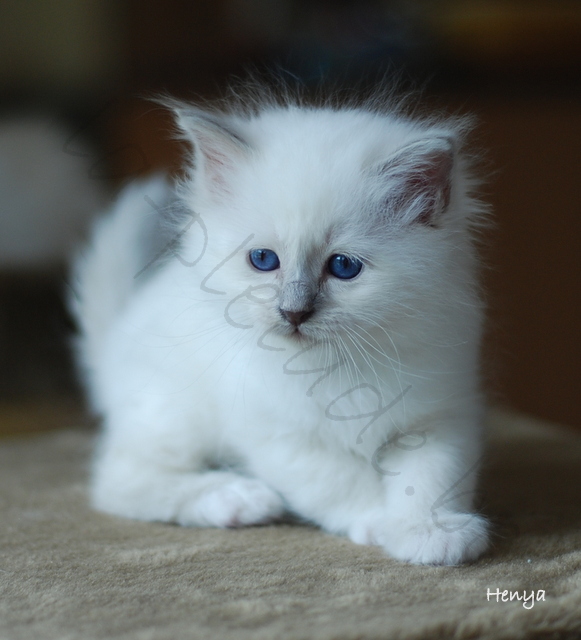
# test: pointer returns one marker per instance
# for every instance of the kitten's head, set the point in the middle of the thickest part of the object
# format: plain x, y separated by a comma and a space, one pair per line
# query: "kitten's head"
334, 221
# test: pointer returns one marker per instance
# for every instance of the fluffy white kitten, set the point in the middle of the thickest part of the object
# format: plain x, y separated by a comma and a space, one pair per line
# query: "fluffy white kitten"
309, 340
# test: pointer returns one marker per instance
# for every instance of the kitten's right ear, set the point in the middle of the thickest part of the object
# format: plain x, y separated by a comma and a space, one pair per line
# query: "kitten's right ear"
419, 179
217, 146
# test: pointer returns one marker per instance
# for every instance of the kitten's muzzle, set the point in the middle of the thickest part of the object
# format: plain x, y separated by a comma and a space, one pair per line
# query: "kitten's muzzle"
297, 302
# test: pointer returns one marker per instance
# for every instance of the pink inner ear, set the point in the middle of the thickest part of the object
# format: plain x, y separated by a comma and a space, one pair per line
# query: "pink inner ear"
422, 179
217, 162
432, 180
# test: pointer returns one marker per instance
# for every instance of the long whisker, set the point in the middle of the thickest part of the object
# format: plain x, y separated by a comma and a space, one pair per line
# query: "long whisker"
357, 377
354, 337
397, 371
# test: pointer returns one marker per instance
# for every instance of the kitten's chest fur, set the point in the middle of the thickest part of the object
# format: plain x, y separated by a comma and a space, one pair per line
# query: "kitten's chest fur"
311, 390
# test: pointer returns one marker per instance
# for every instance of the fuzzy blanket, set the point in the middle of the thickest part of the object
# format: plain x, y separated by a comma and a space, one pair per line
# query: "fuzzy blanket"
67, 572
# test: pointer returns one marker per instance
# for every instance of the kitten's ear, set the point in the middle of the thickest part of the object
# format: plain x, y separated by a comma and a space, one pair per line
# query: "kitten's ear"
217, 146
419, 180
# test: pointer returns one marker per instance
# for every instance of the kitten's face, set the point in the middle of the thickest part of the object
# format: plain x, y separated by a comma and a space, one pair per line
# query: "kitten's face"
321, 261
307, 291
337, 220
310, 283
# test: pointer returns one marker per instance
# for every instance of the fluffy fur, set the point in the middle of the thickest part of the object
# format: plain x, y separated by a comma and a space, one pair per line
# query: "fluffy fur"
231, 394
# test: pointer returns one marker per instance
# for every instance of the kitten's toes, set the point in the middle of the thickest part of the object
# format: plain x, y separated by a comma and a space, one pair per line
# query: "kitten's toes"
368, 529
240, 502
449, 539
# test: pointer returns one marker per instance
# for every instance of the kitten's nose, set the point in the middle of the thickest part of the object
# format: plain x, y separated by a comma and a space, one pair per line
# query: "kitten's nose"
297, 317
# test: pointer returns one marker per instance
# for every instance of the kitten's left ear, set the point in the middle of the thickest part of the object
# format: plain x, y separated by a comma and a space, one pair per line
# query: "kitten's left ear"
419, 180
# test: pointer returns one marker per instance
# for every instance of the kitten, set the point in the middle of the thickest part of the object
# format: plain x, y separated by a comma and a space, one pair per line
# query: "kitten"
309, 339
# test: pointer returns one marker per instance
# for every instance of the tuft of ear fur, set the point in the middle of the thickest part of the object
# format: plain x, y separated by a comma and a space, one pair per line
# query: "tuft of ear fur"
420, 180
217, 145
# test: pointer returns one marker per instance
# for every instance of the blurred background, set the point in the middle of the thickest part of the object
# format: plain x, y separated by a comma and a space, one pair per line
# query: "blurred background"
74, 126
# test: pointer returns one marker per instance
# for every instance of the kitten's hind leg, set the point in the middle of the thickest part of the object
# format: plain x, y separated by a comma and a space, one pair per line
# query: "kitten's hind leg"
144, 489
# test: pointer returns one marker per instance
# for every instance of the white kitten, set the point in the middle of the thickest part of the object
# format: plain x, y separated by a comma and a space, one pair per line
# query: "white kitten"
310, 341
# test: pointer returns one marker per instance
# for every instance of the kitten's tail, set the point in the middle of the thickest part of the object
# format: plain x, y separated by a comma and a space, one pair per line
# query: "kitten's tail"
110, 267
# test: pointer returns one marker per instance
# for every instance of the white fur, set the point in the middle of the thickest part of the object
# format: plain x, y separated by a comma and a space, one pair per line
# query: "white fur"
217, 413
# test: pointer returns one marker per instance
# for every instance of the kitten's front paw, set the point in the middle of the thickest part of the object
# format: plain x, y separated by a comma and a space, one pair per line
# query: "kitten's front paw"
240, 502
448, 539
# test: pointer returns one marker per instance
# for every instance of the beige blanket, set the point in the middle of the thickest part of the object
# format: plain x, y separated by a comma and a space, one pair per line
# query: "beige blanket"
67, 572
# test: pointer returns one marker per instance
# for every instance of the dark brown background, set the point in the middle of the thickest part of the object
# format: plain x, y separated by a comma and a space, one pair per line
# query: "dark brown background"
515, 65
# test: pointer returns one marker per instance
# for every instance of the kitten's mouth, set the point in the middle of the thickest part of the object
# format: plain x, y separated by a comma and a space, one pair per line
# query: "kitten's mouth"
297, 333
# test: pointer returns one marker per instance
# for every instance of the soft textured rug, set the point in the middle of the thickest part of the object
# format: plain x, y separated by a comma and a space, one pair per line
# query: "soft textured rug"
67, 572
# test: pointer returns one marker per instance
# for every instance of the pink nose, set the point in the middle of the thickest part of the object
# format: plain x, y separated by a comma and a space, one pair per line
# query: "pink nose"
296, 317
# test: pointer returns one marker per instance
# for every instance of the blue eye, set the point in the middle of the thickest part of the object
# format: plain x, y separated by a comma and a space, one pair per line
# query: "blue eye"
344, 267
264, 259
